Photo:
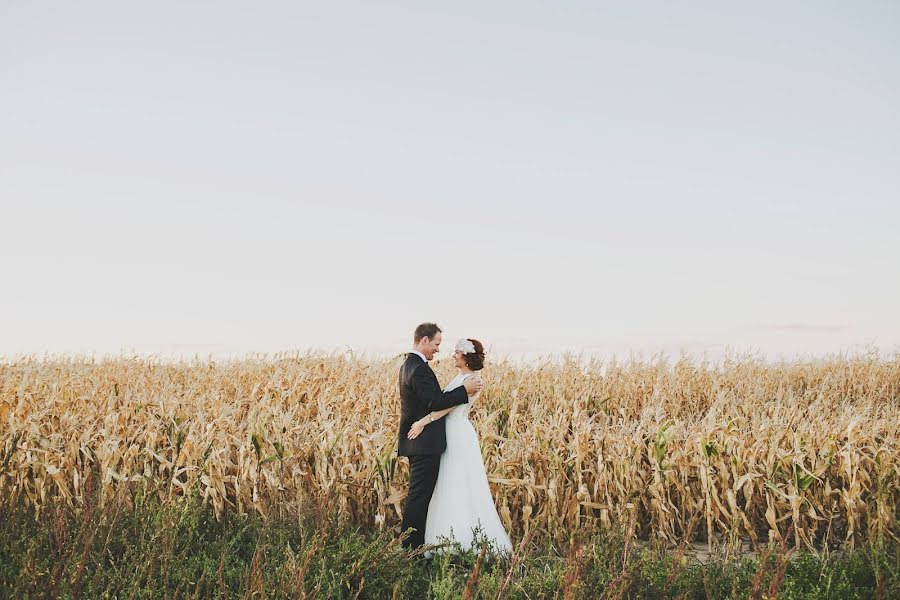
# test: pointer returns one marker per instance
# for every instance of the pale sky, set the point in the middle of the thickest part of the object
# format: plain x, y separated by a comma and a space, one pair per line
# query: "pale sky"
223, 177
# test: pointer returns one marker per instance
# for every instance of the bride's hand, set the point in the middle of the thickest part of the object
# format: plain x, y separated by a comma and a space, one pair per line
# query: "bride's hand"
417, 428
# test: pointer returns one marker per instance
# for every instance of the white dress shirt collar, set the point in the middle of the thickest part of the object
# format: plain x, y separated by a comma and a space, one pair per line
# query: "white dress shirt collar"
420, 354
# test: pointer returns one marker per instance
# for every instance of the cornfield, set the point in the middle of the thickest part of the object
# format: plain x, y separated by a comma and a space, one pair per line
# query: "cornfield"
744, 449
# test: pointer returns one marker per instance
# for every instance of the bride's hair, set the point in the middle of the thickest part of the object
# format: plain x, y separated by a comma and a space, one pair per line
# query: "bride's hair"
475, 360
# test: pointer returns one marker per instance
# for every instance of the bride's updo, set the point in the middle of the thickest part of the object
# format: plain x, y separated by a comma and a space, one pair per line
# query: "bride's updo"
475, 360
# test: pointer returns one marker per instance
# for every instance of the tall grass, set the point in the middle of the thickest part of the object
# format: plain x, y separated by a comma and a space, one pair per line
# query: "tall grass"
743, 450
159, 550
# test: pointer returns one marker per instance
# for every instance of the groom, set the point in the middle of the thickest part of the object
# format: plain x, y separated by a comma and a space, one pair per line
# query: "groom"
420, 395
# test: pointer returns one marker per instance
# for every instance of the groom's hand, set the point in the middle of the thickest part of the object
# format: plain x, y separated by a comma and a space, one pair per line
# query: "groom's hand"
473, 385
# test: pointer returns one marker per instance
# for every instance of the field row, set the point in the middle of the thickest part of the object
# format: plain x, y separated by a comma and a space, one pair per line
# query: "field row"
744, 450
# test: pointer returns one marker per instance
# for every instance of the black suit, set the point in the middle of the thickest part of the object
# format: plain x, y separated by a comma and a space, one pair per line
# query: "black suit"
420, 394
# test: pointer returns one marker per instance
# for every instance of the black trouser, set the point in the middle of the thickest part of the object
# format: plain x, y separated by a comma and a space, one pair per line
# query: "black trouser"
423, 473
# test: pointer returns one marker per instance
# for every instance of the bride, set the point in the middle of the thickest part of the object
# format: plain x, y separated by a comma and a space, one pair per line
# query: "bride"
462, 501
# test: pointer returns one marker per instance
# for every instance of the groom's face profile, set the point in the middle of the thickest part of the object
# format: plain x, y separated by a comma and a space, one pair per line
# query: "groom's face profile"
431, 346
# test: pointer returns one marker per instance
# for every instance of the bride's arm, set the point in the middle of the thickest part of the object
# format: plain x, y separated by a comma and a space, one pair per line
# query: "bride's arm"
420, 425
434, 416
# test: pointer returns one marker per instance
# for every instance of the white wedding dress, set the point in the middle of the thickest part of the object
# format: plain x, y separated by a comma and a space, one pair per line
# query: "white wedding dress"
462, 500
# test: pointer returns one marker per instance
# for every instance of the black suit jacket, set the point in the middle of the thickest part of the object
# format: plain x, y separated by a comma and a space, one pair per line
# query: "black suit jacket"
420, 394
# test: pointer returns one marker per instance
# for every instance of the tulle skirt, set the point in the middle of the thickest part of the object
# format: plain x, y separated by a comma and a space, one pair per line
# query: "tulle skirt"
462, 501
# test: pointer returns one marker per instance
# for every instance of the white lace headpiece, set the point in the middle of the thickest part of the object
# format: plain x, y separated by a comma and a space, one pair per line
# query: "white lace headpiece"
465, 346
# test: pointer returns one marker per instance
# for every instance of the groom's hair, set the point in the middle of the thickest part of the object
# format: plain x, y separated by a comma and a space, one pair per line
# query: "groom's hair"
428, 330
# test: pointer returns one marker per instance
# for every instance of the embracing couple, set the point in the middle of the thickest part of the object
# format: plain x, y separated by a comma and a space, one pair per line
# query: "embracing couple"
449, 498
